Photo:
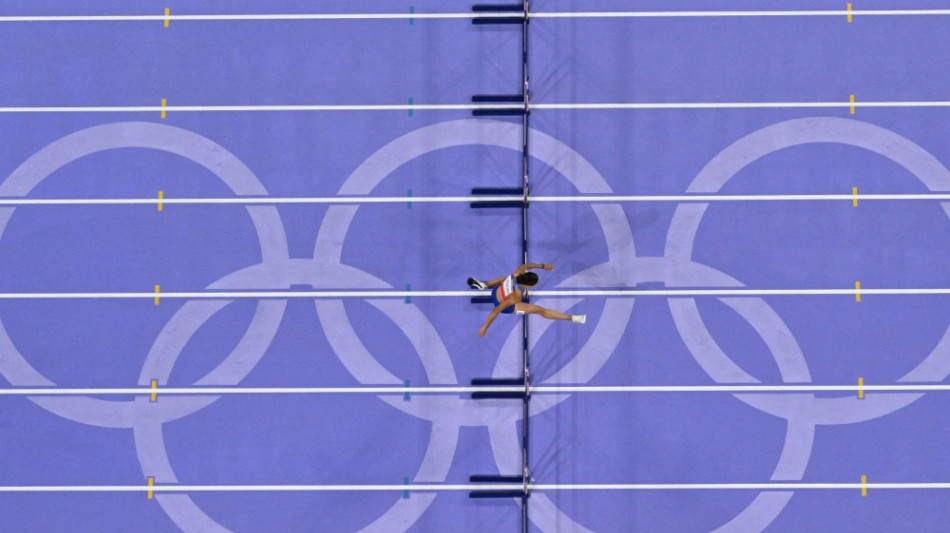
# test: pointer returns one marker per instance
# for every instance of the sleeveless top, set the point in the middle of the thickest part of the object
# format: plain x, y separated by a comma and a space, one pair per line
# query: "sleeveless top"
506, 288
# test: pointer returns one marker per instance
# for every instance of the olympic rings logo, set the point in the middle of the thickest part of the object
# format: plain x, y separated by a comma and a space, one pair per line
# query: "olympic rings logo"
277, 270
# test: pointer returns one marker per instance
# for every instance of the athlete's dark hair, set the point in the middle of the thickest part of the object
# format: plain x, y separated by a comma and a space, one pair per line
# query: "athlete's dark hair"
528, 279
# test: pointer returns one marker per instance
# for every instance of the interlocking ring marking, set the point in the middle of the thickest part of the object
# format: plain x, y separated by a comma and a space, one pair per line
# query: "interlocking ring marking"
326, 270
449, 414
801, 411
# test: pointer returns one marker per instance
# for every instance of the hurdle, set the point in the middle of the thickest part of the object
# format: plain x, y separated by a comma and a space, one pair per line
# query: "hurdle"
525, 380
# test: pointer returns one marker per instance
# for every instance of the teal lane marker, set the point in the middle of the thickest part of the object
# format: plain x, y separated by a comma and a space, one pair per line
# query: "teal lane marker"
412, 20
410, 106
408, 289
405, 397
405, 493
409, 203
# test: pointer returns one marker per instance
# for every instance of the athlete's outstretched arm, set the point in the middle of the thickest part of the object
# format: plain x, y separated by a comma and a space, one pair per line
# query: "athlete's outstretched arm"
531, 266
511, 300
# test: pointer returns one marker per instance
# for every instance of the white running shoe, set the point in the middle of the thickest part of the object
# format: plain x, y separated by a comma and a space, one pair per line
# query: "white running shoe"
579, 319
475, 284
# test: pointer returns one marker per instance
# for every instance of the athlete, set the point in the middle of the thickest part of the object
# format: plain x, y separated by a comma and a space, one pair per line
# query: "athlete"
507, 297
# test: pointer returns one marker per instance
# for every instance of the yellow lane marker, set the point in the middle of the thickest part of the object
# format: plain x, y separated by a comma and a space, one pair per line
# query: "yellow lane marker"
857, 289
852, 104
168, 12
155, 387
158, 289
864, 489
151, 483
860, 389
165, 103
854, 196
849, 14
161, 196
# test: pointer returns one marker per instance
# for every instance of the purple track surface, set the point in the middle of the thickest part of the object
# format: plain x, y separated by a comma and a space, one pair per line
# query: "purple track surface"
582, 438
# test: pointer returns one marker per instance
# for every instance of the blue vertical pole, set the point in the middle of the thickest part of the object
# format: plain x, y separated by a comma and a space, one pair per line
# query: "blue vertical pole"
525, 412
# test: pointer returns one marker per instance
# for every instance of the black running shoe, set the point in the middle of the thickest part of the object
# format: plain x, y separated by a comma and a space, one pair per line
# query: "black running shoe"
477, 285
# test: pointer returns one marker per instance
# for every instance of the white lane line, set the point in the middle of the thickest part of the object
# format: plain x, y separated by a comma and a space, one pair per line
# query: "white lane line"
541, 389
743, 14
227, 295
474, 15
303, 107
471, 107
435, 487
244, 200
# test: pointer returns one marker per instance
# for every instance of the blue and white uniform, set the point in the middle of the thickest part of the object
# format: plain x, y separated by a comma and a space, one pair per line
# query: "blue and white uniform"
501, 292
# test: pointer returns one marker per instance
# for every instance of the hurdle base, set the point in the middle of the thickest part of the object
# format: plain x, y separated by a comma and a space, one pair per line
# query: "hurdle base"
498, 8
497, 382
498, 112
497, 20
512, 98
497, 494
495, 479
495, 204
497, 191
499, 395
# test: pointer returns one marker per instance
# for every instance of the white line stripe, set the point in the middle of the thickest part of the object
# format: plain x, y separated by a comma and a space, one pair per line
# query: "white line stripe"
451, 107
542, 389
302, 107
735, 105
244, 200
719, 14
561, 389
456, 107
745, 486
259, 16
473, 15
450, 294
433, 487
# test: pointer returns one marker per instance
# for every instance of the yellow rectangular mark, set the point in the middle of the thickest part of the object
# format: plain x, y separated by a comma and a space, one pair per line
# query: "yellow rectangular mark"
854, 196
161, 196
851, 99
860, 388
168, 11
165, 103
158, 289
857, 291
864, 489
154, 397
151, 483
849, 13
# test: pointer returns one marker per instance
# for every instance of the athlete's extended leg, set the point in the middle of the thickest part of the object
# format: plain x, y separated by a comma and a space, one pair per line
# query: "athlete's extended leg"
551, 314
